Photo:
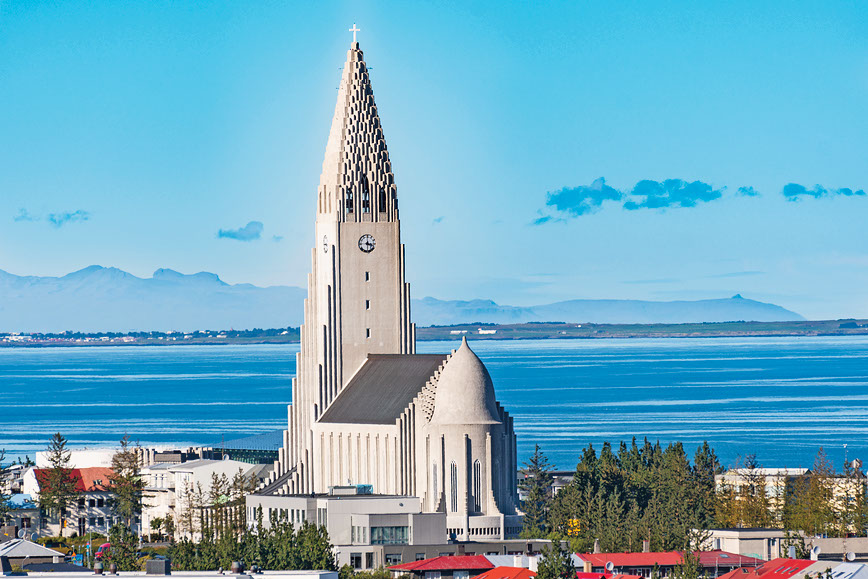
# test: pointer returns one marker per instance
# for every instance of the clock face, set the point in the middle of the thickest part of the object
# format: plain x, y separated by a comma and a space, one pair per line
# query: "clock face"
325, 243
367, 243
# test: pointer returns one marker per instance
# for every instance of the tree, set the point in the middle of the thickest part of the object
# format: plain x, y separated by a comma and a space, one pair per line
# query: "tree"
4, 480
157, 524
537, 487
169, 527
124, 545
126, 484
57, 486
556, 563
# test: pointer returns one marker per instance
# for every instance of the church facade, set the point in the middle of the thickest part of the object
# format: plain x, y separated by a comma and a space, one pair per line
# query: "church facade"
366, 408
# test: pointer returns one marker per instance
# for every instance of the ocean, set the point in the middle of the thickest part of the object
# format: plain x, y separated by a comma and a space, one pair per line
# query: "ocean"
778, 398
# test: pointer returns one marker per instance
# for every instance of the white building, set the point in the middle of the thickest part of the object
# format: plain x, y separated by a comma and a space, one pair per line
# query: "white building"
366, 408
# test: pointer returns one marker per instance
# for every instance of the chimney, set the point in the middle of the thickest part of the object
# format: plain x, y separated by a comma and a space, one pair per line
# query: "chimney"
588, 567
646, 546
460, 549
596, 546
517, 561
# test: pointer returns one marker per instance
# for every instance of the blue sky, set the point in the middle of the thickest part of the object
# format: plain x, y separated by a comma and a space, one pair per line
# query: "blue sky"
541, 151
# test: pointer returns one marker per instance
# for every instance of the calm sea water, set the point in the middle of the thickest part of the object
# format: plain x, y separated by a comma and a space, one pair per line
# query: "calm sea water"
780, 398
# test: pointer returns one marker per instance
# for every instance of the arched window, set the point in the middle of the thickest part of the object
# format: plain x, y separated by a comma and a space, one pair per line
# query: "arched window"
477, 487
454, 477
366, 195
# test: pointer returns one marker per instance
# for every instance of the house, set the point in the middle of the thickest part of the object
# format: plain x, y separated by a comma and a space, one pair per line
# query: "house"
172, 490
20, 552
775, 569
89, 511
455, 567
759, 543
713, 563
509, 573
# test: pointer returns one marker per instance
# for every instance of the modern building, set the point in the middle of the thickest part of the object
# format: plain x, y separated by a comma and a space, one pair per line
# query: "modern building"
174, 489
367, 409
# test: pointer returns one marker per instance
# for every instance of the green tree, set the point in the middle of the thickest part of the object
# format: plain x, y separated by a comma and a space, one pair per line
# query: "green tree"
556, 563
314, 549
124, 544
4, 480
537, 487
157, 525
169, 527
57, 486
126, 484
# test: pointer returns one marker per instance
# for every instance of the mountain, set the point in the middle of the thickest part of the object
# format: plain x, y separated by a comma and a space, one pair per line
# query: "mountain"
99, 298
430, 311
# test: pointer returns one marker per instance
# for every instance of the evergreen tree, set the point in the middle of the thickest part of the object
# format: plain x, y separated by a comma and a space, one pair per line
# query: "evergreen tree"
124, 544
4, 498
126, 484
57, 486
537, 487
556, 563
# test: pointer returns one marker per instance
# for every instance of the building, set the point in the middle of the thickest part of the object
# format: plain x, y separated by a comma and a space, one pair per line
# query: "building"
714, 563
507, 573
368, 410
758, 543
775, 569
257, 449
20, 552
176, 489
357, 521
89, 512
445, 567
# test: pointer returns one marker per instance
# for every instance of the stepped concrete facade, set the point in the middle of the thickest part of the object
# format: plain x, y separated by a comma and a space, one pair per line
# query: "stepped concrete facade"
368, 410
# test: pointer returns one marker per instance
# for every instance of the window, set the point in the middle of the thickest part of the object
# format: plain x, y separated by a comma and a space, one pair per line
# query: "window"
432, 574
349, 202
367, 276
420, 556
454, 477
477, 487
461, 575
390, 535
395, 558
367, 304
369, 560
91, 503
100, 503
81, 502
356, 560
100, 521
367, 332
92, 521
382, 200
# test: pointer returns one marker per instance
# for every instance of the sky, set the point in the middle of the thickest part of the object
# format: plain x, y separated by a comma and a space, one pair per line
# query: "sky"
542, 151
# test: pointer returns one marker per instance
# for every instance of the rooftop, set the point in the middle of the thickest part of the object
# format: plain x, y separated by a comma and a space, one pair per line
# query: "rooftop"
446, 563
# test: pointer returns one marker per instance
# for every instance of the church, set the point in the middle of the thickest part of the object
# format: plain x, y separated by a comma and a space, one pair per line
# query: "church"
368, 411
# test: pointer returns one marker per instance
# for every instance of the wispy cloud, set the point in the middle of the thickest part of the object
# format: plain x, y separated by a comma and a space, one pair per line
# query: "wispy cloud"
735, 274
794, 192
251, 231
276, 238
581, 200
24, 215
747, 192
64, 217
437, 220
652, 281
671, 193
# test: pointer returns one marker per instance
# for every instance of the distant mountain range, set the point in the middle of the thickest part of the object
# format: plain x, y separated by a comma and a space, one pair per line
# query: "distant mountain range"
98, 299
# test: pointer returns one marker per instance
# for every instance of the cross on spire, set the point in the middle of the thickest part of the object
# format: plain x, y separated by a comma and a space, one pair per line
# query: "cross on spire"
354, 30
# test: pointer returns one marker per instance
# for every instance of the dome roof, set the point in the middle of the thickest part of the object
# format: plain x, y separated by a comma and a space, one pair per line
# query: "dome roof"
465, 394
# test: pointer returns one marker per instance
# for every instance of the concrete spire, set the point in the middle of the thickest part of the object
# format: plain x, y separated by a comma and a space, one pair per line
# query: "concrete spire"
357, 183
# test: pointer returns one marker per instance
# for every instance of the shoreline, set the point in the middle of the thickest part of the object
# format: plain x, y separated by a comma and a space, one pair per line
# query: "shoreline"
527, 331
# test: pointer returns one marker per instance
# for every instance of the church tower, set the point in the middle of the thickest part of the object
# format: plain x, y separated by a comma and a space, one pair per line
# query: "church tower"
366, 409
358, 301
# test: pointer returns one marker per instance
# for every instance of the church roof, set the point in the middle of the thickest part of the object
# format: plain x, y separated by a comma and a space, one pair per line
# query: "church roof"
357, 182
465, 393
382, 388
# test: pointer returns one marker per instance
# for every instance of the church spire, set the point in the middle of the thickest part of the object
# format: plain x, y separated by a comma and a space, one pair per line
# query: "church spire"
357, 183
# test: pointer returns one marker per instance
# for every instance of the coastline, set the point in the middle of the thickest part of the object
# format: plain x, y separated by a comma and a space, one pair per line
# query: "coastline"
526, 331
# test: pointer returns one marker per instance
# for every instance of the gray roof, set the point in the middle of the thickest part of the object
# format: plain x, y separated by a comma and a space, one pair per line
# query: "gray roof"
382, 388
272, 440
19, 548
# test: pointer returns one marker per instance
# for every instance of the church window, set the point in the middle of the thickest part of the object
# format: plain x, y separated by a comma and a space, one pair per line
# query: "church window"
382, 201
367, 332
454, 477
367, 304
477, 487
366, 195
349, 202
367, 276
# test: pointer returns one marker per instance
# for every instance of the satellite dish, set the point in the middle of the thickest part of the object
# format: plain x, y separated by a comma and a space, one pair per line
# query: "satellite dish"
33, 537
851, 556
609, 566
22, 533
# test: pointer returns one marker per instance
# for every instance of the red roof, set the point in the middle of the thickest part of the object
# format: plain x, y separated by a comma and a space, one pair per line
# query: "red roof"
95, 478
663, 559
447, 563
774, 569
583, 575
718, 558
507, 573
